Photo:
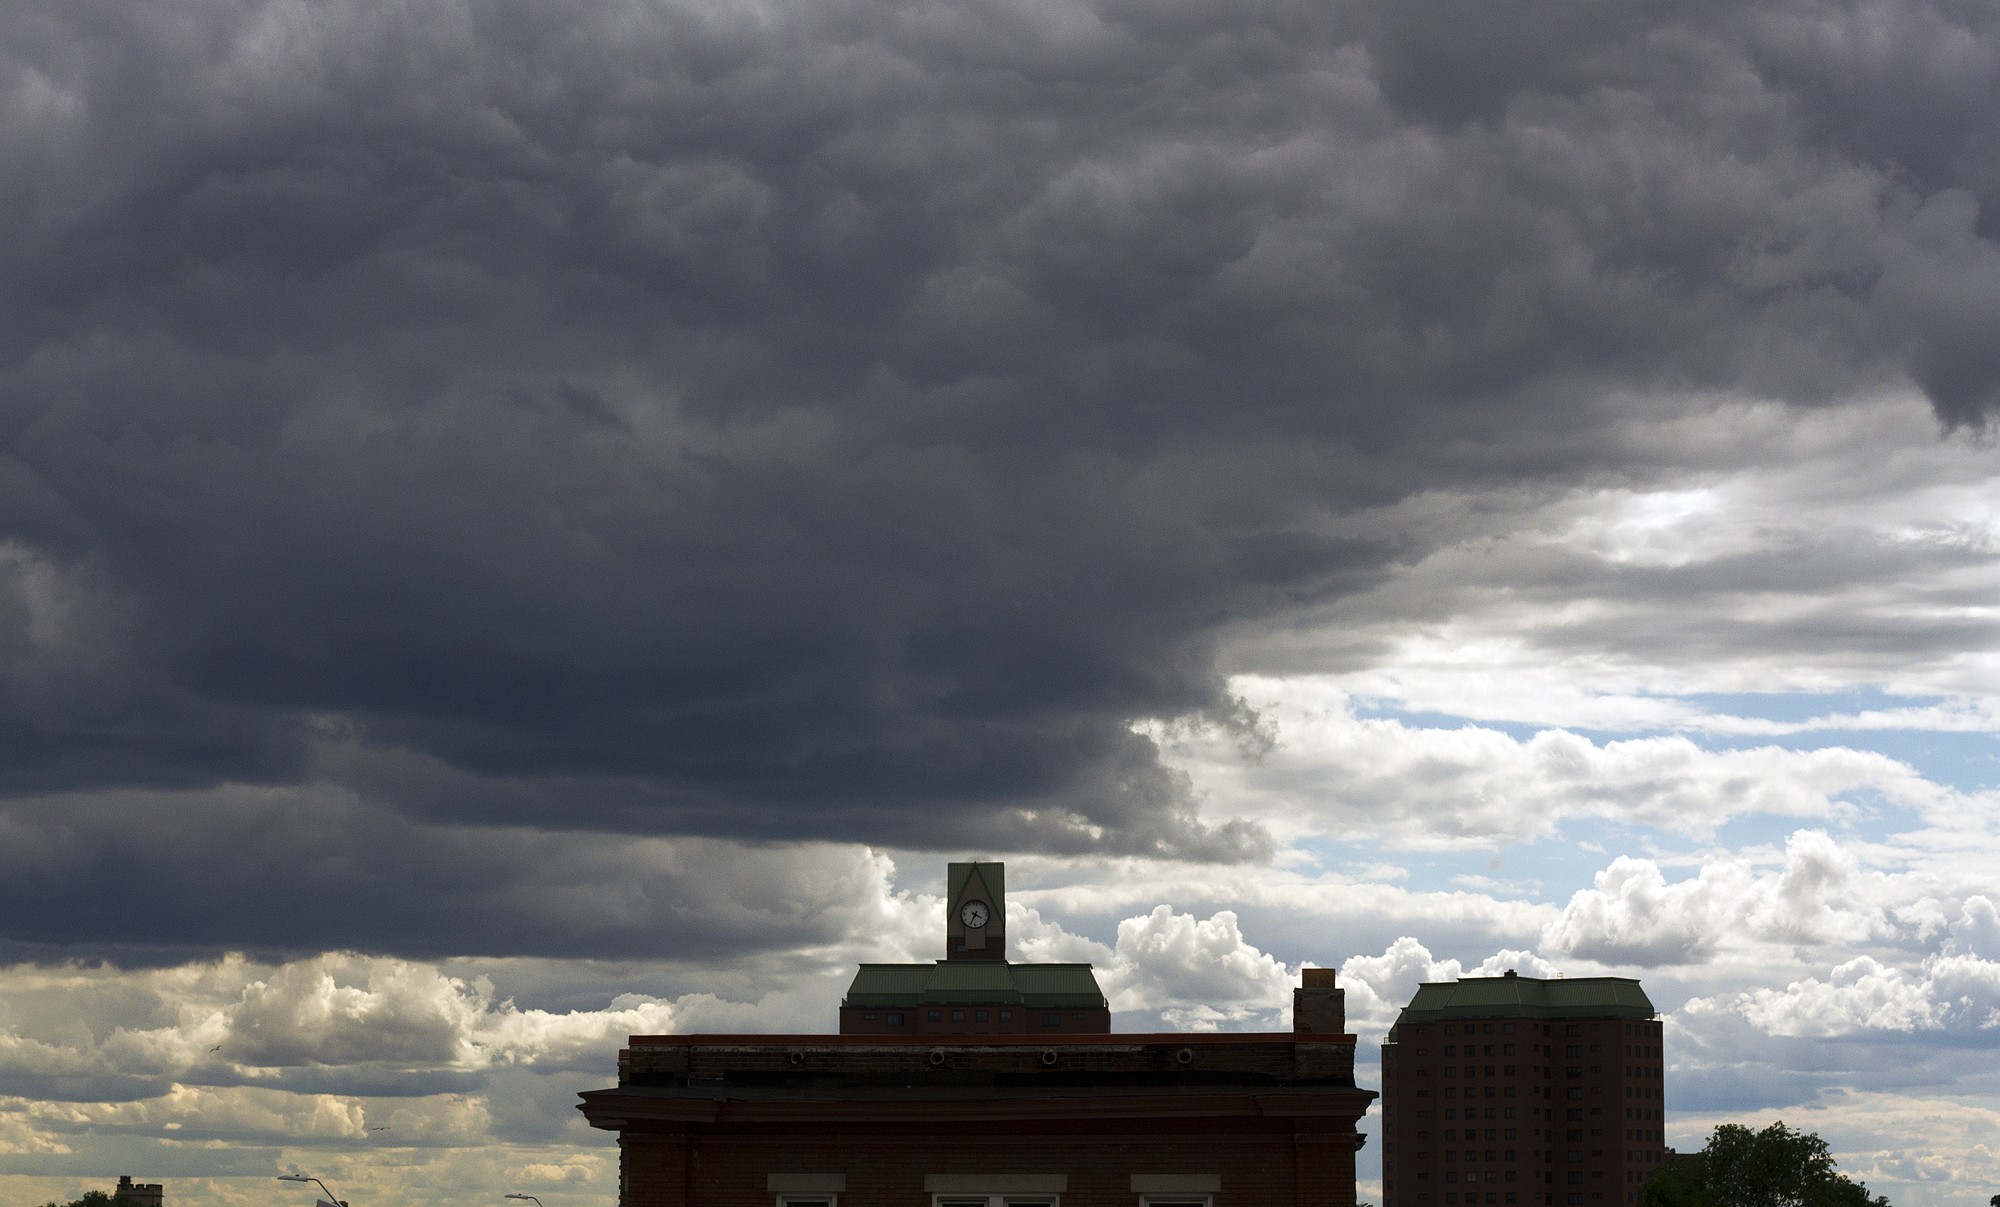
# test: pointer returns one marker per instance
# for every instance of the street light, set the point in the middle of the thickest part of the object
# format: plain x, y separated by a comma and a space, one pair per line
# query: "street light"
299, 1177
531, 1198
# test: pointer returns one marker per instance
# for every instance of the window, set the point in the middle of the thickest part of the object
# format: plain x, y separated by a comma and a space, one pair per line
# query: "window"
1051, 1020
1006, 1016
1153, 1200
810, 1200
958, 1016
937, 1016
994, 1200
979, 1016
896, 1018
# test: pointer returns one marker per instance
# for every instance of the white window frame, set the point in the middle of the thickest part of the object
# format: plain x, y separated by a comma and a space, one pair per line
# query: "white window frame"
809, 1200
996, 1200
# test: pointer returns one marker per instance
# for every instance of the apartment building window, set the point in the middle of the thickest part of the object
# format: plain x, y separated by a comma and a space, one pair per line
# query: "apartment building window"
806, 1200
1154, 1200
994, 1200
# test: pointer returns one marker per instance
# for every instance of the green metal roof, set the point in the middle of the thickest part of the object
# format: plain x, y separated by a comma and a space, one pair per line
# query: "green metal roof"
985, 982
1528, 997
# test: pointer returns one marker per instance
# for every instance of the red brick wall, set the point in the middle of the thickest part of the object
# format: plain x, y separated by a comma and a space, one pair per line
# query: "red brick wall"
1262, 1162
1612, 1067
652, 1170
705, 1120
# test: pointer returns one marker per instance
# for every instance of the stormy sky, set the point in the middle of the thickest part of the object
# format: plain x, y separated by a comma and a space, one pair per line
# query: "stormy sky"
526, 523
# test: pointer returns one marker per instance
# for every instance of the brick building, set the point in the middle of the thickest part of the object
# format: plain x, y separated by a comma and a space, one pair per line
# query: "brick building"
139, 1194
1514, 1090
997, 1115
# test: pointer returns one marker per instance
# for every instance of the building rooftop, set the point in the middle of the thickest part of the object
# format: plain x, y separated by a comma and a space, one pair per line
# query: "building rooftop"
985, 1069
997, 982
1528, 997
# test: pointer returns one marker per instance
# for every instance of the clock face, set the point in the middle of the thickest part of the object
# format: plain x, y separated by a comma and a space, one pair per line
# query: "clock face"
974, 915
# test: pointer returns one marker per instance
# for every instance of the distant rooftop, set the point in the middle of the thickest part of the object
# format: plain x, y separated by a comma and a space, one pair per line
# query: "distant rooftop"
1034, 986
1528, 997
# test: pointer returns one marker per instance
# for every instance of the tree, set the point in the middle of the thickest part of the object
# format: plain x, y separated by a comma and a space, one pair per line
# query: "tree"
1678, 1183
1776, 1167
95, 1198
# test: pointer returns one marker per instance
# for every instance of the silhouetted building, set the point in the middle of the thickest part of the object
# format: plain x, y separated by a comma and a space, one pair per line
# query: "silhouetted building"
974, 990
140, 1194
997, 1115
1515, 1090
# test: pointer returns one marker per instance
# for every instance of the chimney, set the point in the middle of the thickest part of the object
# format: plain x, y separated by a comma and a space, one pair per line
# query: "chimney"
1319, 1006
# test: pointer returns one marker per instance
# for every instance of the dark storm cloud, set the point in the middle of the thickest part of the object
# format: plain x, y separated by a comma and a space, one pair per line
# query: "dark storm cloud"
842, 419
140, 877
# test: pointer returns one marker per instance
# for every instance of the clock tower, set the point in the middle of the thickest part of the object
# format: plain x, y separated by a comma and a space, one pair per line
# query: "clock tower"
975, 915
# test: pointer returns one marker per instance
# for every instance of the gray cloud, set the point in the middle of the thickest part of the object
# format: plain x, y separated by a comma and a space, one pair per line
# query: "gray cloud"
843, 420
144, 877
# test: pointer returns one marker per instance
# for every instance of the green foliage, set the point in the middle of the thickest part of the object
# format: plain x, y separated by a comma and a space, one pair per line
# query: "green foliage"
1776, 1167
95, 1198
1680, 1183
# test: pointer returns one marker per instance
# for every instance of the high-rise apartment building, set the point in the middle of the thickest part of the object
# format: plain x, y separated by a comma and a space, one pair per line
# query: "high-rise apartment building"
1514, 1090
